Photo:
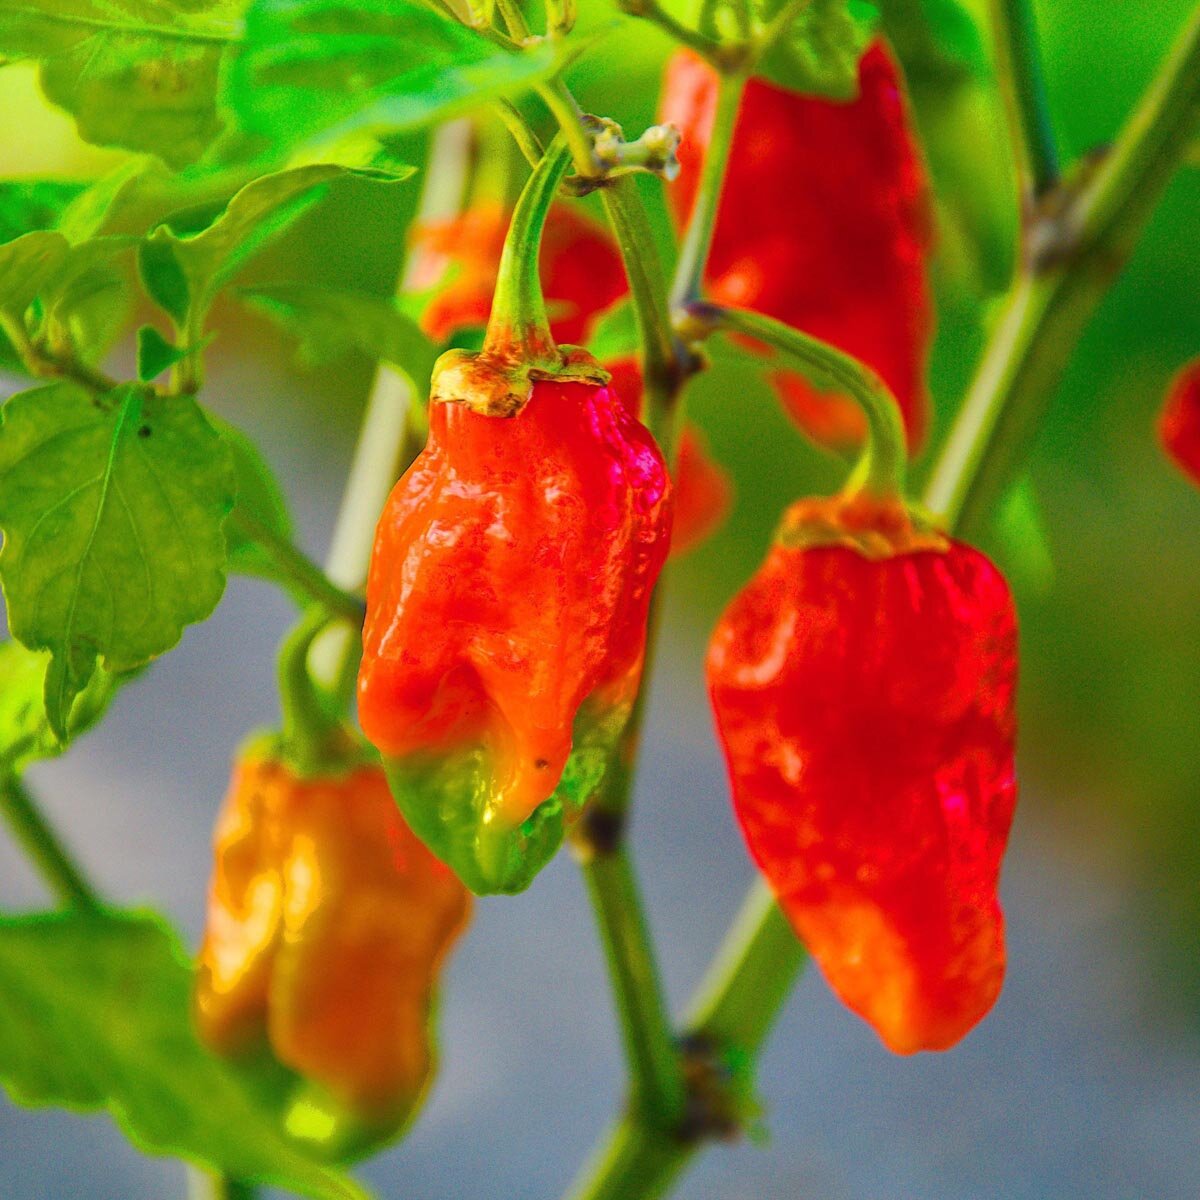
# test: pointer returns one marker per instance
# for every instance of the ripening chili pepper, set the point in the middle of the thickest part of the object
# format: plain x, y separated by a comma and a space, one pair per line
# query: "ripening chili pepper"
328, 922
823, 223
506, 620
703, 492
509, 585
581, 270
1179, 421
863, 687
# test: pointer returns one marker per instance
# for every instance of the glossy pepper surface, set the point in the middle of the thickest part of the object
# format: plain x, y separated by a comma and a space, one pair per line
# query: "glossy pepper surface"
703, 491
507, 603
1179, 421
328, 922
864, 701
823, 224
580, 268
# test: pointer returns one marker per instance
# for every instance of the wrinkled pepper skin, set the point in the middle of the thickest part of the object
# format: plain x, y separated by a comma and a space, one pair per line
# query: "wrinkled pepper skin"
823, 224
328, 922
865, 707
580, 269
1179, 421
507, 602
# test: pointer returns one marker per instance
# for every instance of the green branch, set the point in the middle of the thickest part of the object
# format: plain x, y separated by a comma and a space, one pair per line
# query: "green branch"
697, 239
297, 568
881, 469
1019, 73
1049, 305
657, 1095
42, 845
1073, 257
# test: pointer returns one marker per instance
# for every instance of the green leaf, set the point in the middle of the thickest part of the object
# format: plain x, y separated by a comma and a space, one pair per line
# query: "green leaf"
184, 271
112, 511
1023, 543
25, 734
819, 53
95, 1013
87, 300
317, 67
615, 334
330, 323
141, 74
26, 265
164, 279
260, 498
155, 354
29, 204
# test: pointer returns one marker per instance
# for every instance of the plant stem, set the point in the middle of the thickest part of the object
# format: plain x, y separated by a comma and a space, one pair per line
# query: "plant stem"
212, 1185
1049, 304
384, 438
296, 567
750, 977
1019, 73
1073, 258
656, 1092
649, 10
881, 469
42, 845
518, 320
526, 140
697, 240
666, 363
566, 112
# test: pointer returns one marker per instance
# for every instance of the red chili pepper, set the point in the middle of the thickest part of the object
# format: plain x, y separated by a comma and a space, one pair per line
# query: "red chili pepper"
703, 491
823, 223
506, 620
863, 686
1179, 421
328, 922
580, 268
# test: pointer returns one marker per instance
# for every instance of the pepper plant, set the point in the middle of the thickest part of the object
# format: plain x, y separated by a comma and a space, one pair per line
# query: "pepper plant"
463, 693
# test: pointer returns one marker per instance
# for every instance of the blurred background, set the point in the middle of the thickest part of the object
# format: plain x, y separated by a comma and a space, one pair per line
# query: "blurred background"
1085, 1081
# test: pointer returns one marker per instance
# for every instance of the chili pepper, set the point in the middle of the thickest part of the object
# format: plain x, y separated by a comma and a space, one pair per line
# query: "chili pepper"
581, 269
328, 923
863, 687
506, 614
823, 224
703, 492
1179, 421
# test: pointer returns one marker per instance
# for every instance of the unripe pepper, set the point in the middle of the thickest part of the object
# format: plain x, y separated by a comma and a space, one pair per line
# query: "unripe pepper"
328, 923
823, 224
509, 585
1179, 421
863, 687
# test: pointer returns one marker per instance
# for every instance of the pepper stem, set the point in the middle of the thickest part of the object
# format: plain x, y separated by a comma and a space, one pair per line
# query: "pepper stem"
881, 469
518, 326
311, 735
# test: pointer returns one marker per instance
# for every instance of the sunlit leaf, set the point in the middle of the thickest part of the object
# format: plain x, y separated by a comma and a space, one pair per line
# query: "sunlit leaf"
819, 53
95, 1013
330, 323
329, 67
25, 733
112, 511
141, 74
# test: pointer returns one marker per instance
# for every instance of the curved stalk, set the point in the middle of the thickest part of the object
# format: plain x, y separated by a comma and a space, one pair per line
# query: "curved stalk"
43, 846
697, 239
1019, 72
